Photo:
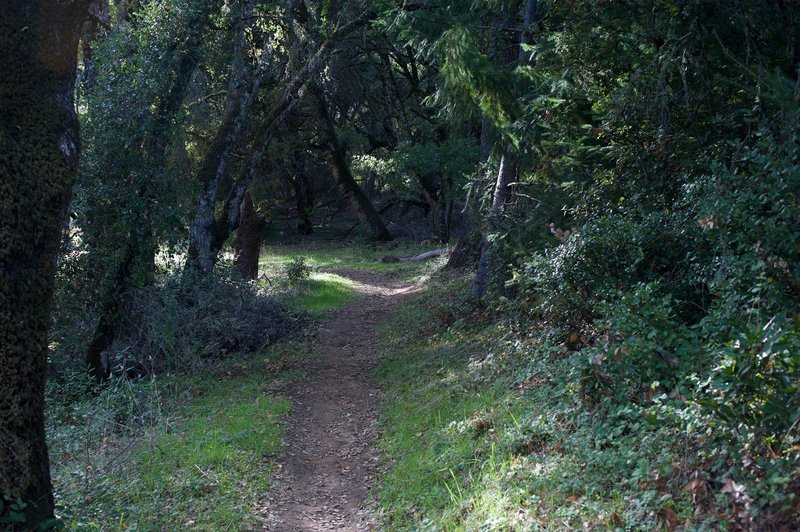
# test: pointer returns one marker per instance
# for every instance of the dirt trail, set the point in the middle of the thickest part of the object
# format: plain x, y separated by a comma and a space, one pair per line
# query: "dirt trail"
324, 475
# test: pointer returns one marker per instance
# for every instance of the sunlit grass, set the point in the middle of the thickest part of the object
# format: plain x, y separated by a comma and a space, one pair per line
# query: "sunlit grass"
466, 448
212, 470
322, 292
353, 256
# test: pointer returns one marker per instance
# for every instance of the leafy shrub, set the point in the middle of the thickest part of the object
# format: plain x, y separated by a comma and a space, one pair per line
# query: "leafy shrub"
297, 270
756, 387
644, 346
604, 257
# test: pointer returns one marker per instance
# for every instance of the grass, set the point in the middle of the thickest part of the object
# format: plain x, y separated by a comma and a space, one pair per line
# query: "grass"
322, 292
171, 452
323, 256
483, 429
439, 427
186, 451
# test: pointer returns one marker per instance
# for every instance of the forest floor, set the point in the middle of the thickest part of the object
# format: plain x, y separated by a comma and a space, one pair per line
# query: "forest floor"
324, 475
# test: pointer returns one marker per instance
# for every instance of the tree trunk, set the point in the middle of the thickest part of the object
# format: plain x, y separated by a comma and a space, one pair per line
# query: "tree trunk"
249, 236
467, 251
304, 199
358, 201
202, 255
505, 176
468, 248
38, 163
92, 30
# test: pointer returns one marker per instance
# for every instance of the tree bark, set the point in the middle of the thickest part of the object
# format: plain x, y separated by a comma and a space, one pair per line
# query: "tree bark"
467, 251
304, 199
505, 175
358, 201
39, 148
249, 236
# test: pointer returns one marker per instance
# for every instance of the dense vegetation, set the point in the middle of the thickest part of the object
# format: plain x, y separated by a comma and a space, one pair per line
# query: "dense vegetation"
614, 342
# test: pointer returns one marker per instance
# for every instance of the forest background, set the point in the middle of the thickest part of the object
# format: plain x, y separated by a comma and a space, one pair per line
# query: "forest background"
619, 181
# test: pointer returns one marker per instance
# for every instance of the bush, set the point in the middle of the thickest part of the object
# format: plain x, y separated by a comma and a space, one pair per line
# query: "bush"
178, 326
756, 387
644, 347
297, 270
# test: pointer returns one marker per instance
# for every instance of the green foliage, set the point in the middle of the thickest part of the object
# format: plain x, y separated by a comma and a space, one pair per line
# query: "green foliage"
12, 511
645, 347
297, 270
756, 387
487, 424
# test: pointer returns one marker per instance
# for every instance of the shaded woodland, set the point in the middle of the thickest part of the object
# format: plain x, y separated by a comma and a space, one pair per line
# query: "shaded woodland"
617, 183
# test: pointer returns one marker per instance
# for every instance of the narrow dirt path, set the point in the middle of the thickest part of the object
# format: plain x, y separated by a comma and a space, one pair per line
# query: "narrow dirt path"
324, 475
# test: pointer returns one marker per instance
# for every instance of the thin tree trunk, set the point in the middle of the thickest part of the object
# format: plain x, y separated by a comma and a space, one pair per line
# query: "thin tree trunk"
304, 199
39, 147
358, 201
505, 176
249, 236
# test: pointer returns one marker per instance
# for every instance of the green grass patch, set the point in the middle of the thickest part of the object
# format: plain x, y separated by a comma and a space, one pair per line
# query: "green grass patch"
483, 428
173, 452
322, 292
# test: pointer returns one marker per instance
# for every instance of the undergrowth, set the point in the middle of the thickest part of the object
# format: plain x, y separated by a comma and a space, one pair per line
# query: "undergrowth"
491, 422
170, 451
184, 433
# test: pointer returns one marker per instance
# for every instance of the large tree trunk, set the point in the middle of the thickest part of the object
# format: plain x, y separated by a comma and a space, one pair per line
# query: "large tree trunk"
358, 201
249, 236
468, 248
433, 193
38, 163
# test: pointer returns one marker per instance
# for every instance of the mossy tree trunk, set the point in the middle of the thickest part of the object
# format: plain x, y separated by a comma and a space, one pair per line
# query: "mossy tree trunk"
38, 163
249, 235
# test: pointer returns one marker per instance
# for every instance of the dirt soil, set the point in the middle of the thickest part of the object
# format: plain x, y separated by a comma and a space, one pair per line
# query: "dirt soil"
322, 479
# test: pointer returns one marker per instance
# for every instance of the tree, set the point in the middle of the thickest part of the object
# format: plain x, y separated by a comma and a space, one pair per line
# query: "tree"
358, 201
39, 148
125, 183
